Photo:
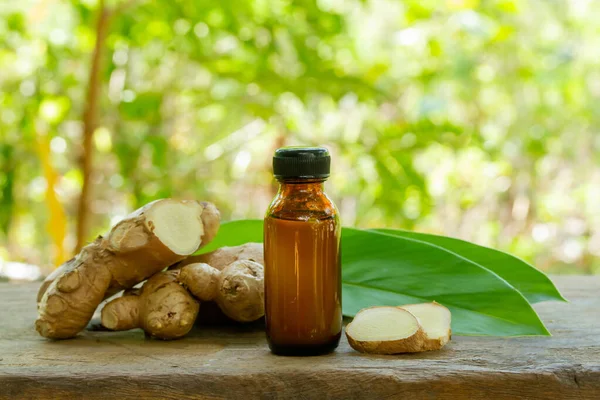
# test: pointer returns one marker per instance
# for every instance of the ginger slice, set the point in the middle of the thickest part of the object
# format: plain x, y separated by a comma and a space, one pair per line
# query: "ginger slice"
385, 330
435, 320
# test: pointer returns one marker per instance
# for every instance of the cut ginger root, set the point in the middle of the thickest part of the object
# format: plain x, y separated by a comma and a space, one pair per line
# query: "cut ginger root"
150, 239
435, 320
385, 330
395, 330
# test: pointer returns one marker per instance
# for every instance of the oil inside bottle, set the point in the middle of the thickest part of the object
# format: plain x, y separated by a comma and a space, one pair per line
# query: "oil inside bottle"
302, 285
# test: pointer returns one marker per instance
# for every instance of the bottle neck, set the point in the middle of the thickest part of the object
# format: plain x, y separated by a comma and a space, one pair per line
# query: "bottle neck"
315, 186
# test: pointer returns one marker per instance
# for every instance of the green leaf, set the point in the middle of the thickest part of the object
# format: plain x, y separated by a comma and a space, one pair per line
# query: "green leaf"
234, 233
528, 280
382, 269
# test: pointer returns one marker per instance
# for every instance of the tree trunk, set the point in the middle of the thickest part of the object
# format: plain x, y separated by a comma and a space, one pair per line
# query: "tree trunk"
90, 123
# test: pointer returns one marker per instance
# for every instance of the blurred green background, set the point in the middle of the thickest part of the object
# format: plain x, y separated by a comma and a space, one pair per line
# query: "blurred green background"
474, 119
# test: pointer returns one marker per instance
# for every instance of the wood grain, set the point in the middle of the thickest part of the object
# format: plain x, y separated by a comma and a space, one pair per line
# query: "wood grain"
234, 363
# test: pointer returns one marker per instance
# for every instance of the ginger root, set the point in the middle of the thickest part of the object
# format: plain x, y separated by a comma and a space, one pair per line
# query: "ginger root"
155, 236
393, 330
238, 289
52, 277
233, 284
162, 308
210, 312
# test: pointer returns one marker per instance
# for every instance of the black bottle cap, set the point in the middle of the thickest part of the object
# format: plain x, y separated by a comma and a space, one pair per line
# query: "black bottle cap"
301, 163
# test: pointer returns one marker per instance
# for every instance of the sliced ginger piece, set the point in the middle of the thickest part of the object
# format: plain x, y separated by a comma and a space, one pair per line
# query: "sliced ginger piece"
385, 330
435, 320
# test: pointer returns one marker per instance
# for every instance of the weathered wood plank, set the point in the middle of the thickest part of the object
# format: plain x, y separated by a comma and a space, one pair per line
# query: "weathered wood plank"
227, 363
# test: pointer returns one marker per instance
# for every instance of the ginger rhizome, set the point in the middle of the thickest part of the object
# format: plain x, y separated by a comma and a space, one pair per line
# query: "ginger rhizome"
237, 289
157, 235
393, 330
162, 308
210, 312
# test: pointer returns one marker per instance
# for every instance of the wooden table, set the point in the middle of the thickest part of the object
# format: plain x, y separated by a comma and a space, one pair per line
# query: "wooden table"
227, 363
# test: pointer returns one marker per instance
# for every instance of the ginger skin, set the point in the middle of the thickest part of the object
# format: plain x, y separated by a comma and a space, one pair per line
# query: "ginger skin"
162, 308
210, 312
238, 289
231, 291
136, 248
165, 308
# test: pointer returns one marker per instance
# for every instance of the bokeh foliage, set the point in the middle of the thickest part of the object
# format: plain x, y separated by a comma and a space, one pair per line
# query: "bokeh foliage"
466, 118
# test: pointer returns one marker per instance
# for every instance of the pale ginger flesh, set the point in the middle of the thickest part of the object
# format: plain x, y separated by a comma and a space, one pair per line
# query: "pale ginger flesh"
385, 330
435, 320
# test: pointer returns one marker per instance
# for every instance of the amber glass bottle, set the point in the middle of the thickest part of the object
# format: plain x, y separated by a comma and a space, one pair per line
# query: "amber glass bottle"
303, 294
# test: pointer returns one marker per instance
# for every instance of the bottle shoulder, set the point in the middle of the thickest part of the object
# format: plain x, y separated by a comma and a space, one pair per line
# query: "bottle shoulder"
302, 206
